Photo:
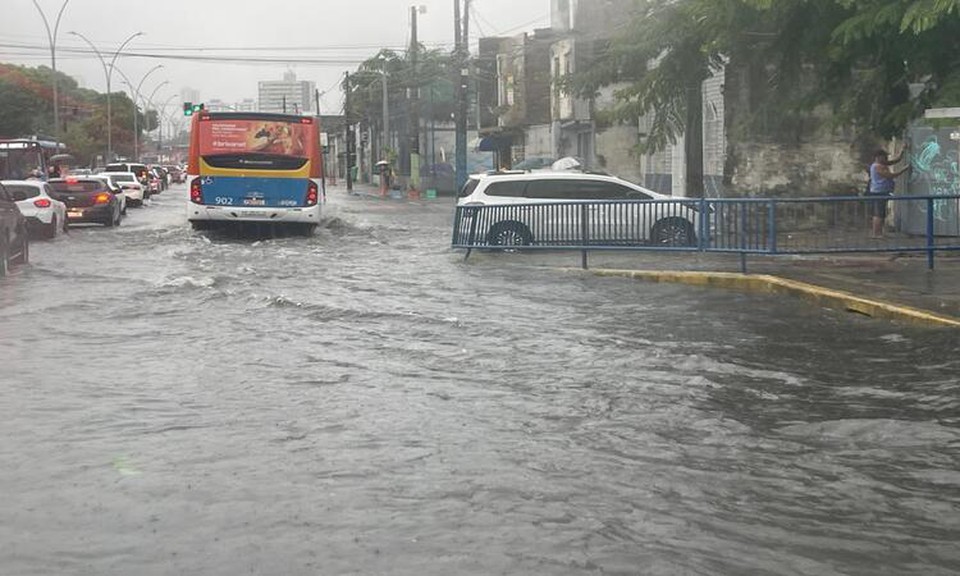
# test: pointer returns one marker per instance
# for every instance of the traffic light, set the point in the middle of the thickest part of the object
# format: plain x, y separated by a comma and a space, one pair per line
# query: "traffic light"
189, 108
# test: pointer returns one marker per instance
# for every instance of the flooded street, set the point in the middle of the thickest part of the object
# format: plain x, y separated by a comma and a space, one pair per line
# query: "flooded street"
365, 402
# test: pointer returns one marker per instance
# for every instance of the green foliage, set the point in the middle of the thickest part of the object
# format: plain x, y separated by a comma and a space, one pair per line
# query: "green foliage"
875, 64
434, 72
26, 108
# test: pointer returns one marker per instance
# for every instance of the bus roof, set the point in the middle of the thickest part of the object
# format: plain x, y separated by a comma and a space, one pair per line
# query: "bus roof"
20, 142
269, 116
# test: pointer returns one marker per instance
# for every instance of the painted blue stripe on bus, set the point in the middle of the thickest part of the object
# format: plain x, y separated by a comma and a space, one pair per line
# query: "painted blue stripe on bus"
255, 192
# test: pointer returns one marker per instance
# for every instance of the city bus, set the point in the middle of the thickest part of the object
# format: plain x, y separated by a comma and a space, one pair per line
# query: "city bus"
254, 168
22, 158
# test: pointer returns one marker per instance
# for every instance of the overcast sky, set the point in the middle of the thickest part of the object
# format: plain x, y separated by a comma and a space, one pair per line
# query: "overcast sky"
333, 29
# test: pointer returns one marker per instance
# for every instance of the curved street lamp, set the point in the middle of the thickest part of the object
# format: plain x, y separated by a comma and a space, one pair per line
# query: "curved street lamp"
52, 38
161, 116
108, 72
136, 99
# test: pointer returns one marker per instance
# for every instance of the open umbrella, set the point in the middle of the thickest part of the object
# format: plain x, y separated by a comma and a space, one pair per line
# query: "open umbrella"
61, 158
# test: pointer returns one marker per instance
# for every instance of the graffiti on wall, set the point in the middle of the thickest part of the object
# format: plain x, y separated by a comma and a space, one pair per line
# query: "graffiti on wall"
936, 171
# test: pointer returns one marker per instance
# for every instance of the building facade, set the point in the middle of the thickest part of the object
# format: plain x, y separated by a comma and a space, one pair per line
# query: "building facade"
290, 96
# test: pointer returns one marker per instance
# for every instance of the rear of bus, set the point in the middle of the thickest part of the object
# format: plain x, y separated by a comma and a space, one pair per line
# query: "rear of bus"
251, 167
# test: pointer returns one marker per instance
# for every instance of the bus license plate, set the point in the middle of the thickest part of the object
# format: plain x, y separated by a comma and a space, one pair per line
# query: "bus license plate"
256, 214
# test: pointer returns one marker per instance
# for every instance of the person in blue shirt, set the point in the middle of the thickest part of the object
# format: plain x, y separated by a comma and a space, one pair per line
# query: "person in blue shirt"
882, 183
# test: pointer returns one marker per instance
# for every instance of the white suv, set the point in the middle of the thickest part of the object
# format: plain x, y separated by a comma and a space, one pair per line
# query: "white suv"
602, 208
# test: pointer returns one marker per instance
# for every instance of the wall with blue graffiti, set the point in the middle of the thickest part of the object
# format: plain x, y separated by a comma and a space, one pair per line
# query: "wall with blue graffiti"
935, 158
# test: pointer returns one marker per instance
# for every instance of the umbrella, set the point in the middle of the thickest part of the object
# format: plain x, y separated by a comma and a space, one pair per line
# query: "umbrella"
61, 158
382, 163
568, 163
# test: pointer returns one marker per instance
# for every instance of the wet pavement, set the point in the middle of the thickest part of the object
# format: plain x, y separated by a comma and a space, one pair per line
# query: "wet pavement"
366, 402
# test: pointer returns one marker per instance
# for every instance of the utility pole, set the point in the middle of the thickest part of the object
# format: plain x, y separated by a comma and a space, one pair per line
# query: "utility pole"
284, 103
351, 142
463, 56
318, 101
385, 140
414, 103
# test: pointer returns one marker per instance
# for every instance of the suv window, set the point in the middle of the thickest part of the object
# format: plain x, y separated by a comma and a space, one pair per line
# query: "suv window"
568, 189
22, 192
508, 188
469, 187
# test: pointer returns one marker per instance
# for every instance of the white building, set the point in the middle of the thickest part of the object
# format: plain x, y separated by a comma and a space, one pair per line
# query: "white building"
288, 95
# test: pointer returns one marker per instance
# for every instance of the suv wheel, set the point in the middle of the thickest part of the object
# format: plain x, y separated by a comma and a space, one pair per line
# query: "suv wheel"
673, 232
509, 234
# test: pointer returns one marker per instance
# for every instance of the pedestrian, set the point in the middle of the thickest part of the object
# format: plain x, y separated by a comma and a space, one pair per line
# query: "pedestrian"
882, 184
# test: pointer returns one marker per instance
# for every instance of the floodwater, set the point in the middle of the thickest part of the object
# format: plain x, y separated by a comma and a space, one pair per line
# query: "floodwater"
365, 402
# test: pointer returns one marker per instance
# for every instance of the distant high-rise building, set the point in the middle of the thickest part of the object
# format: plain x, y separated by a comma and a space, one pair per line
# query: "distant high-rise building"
288, 95
188, 94
217, 105
246, 105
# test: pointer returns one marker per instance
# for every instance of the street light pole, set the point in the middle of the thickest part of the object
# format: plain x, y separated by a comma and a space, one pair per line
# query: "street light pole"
52, 38
161, 116
108, 72
136, 100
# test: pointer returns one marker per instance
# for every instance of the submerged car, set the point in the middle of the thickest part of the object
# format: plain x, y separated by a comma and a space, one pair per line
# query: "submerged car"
89, 200
45, 214
14, 239
127, 183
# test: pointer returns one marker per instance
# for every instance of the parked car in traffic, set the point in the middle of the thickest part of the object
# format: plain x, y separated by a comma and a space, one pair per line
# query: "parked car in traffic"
114, 189
140, 170
163, 175
177, 176
127, 183
45, 215
89, 200
613, 216
14, 239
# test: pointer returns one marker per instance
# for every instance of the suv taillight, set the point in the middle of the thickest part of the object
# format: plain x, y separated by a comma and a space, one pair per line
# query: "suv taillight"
41, 203
196, 191
313, 194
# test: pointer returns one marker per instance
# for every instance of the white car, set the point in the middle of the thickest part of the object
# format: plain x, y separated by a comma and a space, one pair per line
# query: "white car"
127, 182
578, 206
44, 214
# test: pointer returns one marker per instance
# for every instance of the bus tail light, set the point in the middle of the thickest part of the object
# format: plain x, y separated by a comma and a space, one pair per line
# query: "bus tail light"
102, 198
313, 194
41, 203
196, 191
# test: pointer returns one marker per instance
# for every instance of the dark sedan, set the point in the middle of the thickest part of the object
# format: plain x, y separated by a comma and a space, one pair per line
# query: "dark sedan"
88, 200
14, 240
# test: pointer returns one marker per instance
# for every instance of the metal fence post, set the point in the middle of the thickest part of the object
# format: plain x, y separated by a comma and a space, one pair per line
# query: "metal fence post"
704, 226
772, 225
474, 222
743, 237
931, 248
584, 235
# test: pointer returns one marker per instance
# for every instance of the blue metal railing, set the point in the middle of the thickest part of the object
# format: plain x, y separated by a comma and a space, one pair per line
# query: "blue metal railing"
744, 226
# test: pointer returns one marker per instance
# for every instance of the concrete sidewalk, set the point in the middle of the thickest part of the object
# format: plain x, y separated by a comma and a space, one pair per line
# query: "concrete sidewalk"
887, 279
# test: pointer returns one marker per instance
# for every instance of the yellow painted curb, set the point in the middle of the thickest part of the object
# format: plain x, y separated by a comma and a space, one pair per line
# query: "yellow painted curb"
775, 285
